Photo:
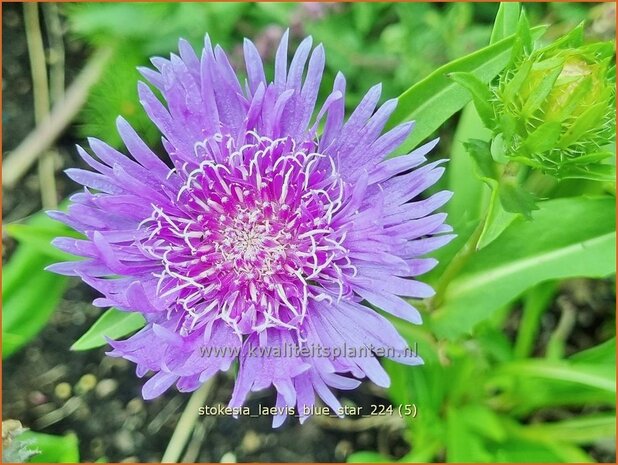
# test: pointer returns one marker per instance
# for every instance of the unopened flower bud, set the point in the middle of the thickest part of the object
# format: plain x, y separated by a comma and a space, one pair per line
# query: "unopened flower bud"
556, 106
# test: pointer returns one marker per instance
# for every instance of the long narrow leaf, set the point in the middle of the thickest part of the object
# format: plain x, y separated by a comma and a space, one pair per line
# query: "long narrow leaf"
573, 237
592, 375
113, 324
506, 21
436, 98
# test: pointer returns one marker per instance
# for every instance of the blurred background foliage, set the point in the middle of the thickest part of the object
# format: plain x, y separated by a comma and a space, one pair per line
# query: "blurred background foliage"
520, 357
396, 44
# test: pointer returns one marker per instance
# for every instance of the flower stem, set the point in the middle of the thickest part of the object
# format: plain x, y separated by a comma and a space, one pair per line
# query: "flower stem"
511, 171
186, 423
40, 91
456, 264
16, 164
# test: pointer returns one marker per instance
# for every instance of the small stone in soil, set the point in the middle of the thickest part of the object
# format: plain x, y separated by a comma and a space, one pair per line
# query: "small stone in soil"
343, 449
131, 459
63, 391
86, 383
124, 442
228, 457
37, 397
106, 387
135, 405
250, 442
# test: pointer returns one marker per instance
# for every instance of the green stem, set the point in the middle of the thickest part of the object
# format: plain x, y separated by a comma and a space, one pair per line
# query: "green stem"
557, 339
40, 92
535, 303
17, 163
511, 170
456, 264
186, 423
491, 211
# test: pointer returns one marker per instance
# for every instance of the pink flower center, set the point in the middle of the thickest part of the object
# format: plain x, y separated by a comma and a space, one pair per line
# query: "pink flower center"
250, 236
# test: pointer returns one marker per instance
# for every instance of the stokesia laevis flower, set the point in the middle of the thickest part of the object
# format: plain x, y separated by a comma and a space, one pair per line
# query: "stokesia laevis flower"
265, 233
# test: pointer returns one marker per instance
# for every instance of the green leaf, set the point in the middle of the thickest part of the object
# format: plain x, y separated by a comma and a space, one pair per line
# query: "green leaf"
506, 21
603, 354
543, 138
423, 387
469, 193
494, 342
29, 296
53, 449
523, 396
589, 158
576, 96
535, 303
480, 152
516, 199
11, 342
519, 450
275, 12
367, 457
574, 39
483, 421
498, 219
463, 444
422, 452
28, 308
587, 121
481, 96
581, 430
29, 293
602, 173
540, 93
113, 324
570, 237
40, 237
24, 262
513, 86
436, 98
524, 39
498, 145
110, 97
592, 375
364, 15
34, 237
542, 393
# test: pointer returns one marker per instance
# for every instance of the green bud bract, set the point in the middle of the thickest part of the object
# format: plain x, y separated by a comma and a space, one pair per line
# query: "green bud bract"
555, 106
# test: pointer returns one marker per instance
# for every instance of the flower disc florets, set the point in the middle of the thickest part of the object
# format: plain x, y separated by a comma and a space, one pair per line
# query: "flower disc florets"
262, 240
249, 229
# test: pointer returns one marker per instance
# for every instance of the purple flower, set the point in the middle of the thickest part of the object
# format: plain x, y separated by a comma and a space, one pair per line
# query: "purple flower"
266, 238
